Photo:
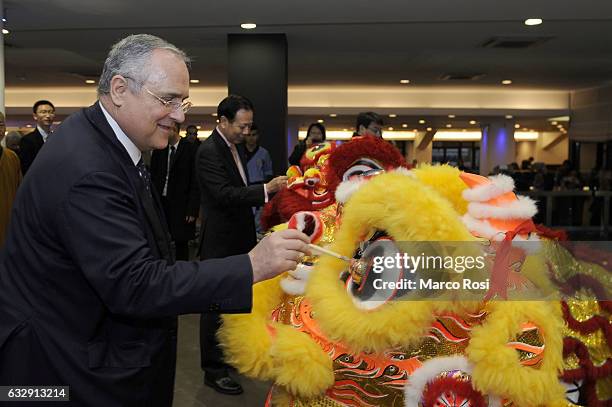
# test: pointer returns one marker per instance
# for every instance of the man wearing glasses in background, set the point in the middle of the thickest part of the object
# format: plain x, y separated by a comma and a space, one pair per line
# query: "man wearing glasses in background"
43, 112
228, 226
368, 124
89, 291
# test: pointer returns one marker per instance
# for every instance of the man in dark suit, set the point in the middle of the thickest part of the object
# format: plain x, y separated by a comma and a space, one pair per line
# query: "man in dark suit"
228, 226
43, 112
89, 292
174, 177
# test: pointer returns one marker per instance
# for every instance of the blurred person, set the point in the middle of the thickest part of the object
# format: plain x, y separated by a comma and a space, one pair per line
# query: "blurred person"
259, 167
368, 123
191, 134
173, 175
43, 113
10, 177
314, 135
12, 140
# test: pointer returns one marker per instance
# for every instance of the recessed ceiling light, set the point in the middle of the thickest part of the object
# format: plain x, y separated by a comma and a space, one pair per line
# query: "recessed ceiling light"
509, 116
320, 120
5, 31
214, 114
472, 121
28, 125
194, 81
506, 82
404, 125
517, 126
390, 128
533, 21
449, 125
392, 115
421, 121
429, 129
248, 26
344, 129
554, 123
525, 129
90, 81
198, 127
405, 81
451, 116
333, 115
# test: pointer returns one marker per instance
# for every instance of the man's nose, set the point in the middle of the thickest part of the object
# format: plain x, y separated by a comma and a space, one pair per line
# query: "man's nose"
178, 116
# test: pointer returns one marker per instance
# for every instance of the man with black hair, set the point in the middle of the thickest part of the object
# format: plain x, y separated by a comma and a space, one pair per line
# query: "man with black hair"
191, 134
368, 123
173, 175
228, 226
43, 112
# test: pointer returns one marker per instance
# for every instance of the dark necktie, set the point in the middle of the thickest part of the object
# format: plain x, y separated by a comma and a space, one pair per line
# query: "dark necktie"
145, 176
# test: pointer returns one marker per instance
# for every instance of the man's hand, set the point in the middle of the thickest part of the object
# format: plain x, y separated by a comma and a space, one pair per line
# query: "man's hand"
190, 219
277, 253
276, 184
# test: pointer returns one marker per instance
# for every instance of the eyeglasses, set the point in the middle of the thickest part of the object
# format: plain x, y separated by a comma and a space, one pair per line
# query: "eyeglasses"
172, 105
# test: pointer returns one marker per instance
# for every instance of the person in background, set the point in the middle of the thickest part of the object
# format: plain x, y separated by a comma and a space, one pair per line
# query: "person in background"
191, 134
10, 177
173, 175
368, 123
31, 143
259, 167
314, 135
12, 140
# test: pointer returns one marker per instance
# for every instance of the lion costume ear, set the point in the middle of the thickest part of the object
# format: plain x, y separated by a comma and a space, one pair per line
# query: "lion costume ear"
494, 209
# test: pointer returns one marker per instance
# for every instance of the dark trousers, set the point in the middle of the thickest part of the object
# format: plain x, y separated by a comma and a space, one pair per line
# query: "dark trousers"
211, 355
182, 249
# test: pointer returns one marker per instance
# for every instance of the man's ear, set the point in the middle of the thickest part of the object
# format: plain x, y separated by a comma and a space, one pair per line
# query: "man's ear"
361, 129
118, 90
223, 122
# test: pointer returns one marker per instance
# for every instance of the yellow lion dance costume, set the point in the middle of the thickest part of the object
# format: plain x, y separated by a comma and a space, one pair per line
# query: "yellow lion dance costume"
311, 336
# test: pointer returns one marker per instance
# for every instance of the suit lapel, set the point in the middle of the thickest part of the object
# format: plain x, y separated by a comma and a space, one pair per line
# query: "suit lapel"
227, 155
153, 215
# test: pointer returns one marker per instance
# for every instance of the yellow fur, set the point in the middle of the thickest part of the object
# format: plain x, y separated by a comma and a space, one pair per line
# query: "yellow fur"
444, 179
300, 365
245, 338
496, 366
408, 211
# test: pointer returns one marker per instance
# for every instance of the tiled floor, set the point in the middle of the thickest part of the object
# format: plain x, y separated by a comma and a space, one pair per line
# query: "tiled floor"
189, 390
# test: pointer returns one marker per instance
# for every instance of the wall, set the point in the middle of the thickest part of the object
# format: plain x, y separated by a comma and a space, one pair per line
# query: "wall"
554, 154
591, 114
524, 150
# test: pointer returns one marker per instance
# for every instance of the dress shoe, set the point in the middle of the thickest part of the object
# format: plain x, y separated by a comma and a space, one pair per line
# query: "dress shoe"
223, 384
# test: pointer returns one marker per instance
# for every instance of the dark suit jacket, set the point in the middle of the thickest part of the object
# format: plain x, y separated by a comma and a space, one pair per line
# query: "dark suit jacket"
183, 195
228, 227
85, 298
29, 146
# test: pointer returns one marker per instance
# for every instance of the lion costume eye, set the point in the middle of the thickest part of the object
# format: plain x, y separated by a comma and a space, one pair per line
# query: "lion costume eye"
368, 285
360, 167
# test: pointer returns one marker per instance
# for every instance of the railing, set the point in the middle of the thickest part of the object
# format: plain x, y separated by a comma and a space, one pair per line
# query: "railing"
548, 197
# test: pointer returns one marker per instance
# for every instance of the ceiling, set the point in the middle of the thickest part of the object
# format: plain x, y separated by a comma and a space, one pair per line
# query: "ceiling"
340, 42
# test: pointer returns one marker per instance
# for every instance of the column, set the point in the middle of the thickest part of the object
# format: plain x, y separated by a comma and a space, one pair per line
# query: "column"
258, 71
497, 146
